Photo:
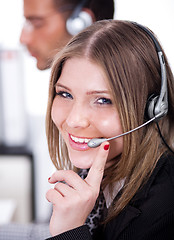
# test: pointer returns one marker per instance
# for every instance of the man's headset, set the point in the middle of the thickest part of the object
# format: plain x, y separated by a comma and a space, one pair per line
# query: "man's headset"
79, 19
157, 106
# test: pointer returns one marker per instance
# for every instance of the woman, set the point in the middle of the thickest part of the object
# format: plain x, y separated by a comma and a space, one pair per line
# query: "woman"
99, 88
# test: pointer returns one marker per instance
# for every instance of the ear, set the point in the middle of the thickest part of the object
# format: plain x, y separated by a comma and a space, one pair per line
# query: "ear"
90, 12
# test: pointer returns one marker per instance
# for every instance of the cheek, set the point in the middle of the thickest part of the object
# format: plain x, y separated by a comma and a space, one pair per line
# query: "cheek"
116, 148
109, 125
56, 114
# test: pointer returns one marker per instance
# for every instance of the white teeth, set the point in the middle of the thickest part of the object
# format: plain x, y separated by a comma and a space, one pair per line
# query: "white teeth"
80, 140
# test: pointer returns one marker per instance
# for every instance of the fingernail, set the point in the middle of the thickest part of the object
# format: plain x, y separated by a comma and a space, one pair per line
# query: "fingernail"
49, 178
106, 147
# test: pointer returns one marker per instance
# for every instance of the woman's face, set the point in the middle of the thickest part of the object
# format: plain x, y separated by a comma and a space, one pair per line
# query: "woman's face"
83, 109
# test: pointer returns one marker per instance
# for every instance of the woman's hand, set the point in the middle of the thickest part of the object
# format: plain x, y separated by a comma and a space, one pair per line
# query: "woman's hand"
73, 201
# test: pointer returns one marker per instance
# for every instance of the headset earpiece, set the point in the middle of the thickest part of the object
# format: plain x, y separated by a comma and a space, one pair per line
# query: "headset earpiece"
79, 19
153, 109
76, 24
150, 106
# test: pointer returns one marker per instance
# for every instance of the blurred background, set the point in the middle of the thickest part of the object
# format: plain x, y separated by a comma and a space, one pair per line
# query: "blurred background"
24, 160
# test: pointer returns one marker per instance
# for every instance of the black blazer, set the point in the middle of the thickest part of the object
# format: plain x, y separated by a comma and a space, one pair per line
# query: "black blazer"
149, 216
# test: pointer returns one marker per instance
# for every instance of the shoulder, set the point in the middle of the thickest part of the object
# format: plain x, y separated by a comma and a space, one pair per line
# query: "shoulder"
156, 200
153, 204
159, 189
169, 167
163, 175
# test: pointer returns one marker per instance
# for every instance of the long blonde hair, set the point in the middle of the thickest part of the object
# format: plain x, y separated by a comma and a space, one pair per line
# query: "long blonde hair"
129, 59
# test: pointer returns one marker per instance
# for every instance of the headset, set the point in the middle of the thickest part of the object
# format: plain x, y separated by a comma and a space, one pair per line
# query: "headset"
157, 105
78, 20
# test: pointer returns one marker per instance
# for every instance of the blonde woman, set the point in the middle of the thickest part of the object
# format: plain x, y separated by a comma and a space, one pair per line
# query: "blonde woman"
100, 88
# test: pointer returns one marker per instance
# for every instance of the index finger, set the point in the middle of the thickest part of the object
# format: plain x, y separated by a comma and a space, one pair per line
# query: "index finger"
96, 171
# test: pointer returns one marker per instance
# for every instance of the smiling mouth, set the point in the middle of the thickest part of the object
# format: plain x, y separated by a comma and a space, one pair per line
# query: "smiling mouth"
80, 140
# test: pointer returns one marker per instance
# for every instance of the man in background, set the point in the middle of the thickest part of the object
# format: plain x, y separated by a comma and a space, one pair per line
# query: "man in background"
50, 24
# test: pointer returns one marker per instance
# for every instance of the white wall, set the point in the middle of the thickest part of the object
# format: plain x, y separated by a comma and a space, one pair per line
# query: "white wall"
156, 14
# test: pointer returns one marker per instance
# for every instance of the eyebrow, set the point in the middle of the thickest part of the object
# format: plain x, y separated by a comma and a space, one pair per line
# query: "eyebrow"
31, 18
61, 85
98, 92
92, 92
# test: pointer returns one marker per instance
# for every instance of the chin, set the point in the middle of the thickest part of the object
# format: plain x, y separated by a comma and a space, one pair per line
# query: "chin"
82, 159
42, 65
81, 165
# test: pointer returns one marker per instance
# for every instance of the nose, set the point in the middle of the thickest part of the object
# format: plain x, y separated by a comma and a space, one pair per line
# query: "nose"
26, 34
24, 38
78, 117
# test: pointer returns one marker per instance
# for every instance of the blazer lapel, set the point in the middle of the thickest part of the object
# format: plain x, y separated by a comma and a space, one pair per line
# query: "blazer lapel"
122, 221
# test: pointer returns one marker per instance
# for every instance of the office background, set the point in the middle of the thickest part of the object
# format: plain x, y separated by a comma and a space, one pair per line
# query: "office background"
23, 101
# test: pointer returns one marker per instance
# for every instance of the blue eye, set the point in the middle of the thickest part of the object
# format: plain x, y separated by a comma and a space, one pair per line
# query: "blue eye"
103, 101
64, 94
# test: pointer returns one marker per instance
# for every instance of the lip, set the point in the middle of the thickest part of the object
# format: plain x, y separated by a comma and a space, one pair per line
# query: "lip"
77, 145
33, 54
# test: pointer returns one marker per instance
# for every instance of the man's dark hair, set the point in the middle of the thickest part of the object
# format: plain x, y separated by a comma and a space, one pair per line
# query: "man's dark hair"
102, 9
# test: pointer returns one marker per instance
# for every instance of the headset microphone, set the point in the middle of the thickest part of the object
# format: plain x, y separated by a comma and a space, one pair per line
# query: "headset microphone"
95, 142
157, 106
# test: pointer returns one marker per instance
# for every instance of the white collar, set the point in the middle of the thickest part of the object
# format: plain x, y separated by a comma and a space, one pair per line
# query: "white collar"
110, 197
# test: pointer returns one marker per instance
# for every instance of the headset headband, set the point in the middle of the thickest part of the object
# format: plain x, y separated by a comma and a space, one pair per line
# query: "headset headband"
158, 105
